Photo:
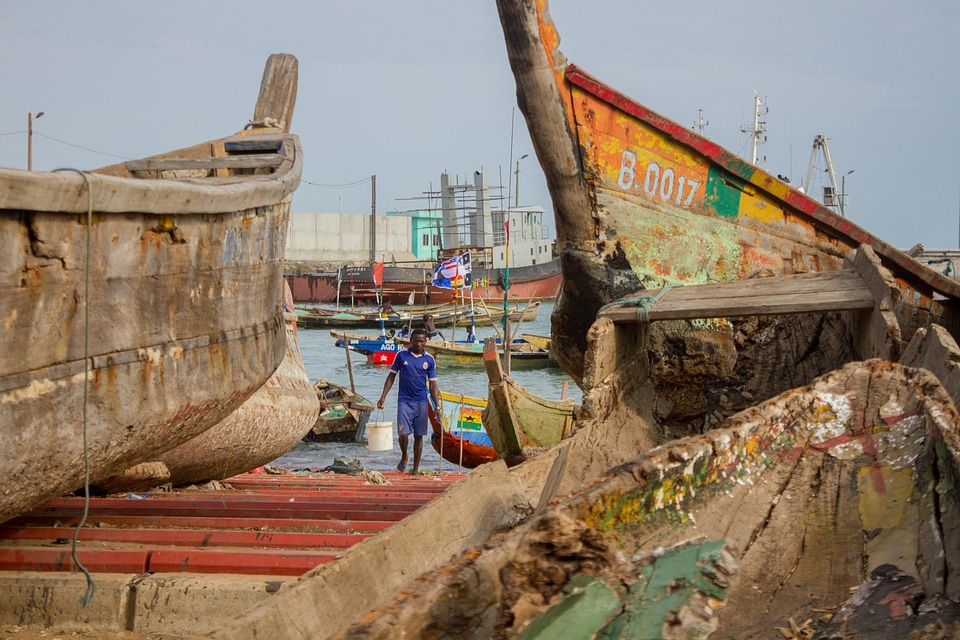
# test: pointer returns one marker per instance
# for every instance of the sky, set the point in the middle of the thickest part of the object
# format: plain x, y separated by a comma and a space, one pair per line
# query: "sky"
407, 90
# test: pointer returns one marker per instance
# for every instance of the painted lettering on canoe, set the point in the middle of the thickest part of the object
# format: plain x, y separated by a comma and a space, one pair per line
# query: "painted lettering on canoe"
657, 183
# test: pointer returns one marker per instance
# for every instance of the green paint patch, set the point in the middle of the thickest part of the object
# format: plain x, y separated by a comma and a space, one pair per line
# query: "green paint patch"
723, 192
647, 603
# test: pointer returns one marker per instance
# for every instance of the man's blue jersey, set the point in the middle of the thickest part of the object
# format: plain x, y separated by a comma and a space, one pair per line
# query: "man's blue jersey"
414, 372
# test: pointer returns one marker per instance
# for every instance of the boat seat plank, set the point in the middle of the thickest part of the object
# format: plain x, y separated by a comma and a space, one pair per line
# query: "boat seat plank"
843, 290
247, 144
252, 161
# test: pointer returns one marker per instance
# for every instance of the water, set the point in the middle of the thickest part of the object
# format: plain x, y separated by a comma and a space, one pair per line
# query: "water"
323, 359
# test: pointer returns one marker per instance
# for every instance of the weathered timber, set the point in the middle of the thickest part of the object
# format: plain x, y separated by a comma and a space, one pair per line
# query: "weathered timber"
278, 93
258, 161
774, 518
936, 351
809, 292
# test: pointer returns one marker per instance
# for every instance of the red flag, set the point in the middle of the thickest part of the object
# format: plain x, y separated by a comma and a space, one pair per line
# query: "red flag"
378, 274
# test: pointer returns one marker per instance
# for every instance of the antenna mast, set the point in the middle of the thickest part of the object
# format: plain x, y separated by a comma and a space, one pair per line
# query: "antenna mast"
700, 124
758, 130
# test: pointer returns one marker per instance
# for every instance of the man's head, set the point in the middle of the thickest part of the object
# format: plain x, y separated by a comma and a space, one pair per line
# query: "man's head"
417, 339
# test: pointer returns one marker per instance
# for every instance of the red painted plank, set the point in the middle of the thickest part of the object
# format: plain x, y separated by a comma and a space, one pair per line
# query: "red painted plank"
157, 520
188, 537
276, 563
23, 558
339, 512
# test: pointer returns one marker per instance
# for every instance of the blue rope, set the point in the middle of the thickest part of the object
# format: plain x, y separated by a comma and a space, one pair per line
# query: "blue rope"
643, 303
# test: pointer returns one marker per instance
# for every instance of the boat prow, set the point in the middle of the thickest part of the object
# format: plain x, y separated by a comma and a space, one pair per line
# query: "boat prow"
142, 299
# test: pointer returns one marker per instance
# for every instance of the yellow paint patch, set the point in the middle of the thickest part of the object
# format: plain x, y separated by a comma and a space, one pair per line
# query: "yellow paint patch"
890, 517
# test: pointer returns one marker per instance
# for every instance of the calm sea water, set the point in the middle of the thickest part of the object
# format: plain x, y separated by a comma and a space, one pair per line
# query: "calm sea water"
323, 359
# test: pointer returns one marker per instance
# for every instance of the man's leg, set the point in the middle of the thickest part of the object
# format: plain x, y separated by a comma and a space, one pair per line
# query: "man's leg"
417, 450
403, 450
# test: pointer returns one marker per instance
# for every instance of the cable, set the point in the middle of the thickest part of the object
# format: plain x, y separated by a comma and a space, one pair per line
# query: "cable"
87, 597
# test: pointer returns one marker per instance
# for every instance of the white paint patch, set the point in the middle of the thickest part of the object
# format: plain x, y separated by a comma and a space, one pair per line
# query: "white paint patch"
830, 417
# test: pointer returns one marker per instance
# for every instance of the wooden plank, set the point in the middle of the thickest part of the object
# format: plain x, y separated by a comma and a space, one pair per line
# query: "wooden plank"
278, 92
827, 291
254, 161
876, 331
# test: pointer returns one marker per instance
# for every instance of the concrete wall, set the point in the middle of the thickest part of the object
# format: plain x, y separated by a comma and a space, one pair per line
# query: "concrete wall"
345, 238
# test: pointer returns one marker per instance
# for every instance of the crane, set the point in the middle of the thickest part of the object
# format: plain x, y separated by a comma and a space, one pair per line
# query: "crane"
831, 195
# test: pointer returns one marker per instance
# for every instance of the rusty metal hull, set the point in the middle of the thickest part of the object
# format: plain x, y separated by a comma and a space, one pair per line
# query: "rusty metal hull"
642, 202
266, 426
181, 285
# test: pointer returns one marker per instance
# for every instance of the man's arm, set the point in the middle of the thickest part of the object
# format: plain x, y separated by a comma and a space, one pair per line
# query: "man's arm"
387, 385
435, 392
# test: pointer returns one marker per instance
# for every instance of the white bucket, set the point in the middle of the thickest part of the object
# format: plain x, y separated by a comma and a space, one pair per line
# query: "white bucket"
380, 436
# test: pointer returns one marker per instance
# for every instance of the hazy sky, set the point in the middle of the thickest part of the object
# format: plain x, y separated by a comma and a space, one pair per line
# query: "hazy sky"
408, 90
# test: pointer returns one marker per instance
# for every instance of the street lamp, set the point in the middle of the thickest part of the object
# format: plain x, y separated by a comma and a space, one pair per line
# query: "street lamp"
30, 119
843, 191
516, 197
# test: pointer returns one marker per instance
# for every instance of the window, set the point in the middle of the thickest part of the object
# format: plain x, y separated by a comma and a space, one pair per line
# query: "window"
436, 240
426, 240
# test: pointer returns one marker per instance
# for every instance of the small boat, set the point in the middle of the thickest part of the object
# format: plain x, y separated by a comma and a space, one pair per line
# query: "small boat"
461, 451
463, 417
344, 414
265, 427
319, 318
836, 502
379, 350
517, 419
144, 297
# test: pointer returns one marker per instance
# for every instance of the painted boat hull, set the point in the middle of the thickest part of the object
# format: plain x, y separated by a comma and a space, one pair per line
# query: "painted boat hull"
325, 319
409, 285
275, 418
642, 202
803, 506
182, 287
454, 449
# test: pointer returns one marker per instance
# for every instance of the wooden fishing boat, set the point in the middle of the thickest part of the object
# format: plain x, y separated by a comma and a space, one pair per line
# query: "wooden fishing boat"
517, 419
828, 503
265, 427
463, 416
642, 202
343, 414
523, 355
319, 318
183, 253
458, 450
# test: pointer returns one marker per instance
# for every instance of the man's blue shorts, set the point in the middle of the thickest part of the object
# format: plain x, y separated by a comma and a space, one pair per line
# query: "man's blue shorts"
412, 418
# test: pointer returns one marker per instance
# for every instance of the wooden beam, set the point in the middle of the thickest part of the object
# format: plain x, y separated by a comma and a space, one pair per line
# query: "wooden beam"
258, 161
843, 290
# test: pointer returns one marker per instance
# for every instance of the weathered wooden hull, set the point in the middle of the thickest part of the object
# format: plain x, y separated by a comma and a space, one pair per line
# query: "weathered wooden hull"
776, 518
267, 425
642, 202
517, 419
408, 285
181, 285
343, 414
325, 319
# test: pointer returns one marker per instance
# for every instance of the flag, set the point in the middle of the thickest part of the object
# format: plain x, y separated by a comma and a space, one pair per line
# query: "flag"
453, 273
378, 274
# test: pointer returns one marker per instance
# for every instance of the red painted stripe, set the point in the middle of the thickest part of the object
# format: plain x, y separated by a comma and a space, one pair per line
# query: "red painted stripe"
156, 520
188, 537
336, 512
274, 563
23, 558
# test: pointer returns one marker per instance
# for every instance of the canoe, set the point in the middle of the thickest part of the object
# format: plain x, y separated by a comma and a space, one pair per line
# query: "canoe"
517, 419
183, 253
463, 416
318, 318
274, 419
378, 350
642, 202
343, 414
458, 450
827, 504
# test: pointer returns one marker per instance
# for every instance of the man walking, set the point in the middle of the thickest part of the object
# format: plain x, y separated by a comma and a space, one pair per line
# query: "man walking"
417, 370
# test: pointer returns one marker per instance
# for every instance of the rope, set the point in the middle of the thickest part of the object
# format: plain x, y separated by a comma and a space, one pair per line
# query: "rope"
87, 597
643, 303
266, 123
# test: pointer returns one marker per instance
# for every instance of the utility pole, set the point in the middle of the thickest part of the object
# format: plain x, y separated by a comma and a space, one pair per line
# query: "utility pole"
30, 119
373, 219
